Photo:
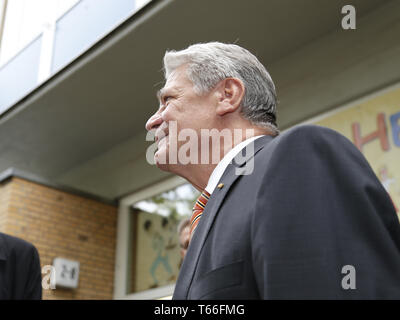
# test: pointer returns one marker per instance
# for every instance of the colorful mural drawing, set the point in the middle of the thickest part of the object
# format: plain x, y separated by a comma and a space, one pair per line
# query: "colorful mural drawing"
157, 251
162, 255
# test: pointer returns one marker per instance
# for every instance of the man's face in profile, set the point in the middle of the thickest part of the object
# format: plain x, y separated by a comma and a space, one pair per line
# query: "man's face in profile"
183, 108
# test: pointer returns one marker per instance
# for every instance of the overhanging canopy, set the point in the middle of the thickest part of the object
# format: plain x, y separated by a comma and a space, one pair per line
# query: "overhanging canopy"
84, 127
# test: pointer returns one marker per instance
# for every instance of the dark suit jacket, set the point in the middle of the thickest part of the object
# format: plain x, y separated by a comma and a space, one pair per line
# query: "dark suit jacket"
311, 206
20, 273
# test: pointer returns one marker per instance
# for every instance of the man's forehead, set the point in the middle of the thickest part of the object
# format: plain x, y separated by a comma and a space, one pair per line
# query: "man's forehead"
178, 76
175, 82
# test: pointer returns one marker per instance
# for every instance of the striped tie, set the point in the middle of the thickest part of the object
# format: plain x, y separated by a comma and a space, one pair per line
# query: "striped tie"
198, 210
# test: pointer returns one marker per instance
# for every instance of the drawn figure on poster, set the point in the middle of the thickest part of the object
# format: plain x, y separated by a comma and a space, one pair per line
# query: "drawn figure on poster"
162, 248
387, 181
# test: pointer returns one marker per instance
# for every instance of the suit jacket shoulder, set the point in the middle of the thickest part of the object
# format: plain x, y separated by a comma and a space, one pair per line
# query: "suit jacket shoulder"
319, 208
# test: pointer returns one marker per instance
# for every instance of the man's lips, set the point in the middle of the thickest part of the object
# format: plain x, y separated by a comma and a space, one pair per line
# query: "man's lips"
159, 135
159, 139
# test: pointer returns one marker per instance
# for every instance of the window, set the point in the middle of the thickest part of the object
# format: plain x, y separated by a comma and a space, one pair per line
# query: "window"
25, 20
155, 250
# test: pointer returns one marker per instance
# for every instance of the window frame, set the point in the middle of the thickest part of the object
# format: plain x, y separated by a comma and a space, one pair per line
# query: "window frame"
122, 257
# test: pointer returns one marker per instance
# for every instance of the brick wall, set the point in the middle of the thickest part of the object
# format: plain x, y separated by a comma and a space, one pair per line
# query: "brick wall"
63, 225
4, 196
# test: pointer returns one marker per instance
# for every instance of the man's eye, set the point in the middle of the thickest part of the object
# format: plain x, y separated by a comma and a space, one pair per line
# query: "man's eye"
167, 98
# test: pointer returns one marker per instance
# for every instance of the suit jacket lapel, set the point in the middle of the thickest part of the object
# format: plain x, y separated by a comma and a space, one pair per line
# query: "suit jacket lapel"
217, 197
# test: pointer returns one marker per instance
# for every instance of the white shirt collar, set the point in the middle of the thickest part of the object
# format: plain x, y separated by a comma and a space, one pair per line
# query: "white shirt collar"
223, 164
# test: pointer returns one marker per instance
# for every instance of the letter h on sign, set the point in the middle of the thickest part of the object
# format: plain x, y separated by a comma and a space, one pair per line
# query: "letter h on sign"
380, 133
394, 121
67, 273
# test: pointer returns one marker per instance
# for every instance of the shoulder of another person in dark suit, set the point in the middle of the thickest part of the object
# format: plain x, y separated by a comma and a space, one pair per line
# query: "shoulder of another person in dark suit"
17, 246
22, 271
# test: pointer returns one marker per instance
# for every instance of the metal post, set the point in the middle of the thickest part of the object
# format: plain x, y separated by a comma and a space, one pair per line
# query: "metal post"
46, 53
3, 9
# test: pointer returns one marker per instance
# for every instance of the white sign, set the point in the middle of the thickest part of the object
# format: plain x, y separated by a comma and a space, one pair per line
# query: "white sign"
67, 273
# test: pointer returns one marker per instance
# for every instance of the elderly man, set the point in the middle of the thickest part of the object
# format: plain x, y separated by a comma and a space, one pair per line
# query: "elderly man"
299, 215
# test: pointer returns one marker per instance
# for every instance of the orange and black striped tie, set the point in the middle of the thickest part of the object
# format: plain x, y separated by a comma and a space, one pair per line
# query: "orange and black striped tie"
198, 210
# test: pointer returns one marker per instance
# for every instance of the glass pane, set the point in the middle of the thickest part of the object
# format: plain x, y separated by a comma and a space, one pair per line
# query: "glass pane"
155, 250
19, 75
25, 20
85, 24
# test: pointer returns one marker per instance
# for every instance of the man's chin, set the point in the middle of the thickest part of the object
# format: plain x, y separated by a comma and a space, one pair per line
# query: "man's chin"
163, 166
162, 162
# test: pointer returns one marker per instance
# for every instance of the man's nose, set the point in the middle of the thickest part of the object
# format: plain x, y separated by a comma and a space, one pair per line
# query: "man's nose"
154, 121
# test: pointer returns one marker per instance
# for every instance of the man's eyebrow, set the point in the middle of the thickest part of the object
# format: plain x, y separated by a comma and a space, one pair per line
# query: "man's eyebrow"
170, 90
160, 93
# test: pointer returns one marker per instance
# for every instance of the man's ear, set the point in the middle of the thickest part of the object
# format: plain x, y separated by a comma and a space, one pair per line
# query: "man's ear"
230, 95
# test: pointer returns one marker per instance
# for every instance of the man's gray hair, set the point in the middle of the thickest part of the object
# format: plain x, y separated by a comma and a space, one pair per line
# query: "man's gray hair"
209, 63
